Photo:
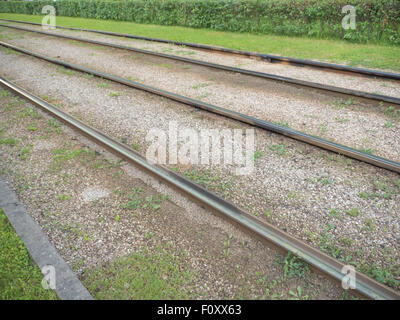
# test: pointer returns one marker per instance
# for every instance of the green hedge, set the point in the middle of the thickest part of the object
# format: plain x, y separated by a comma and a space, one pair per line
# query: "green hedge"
377, 20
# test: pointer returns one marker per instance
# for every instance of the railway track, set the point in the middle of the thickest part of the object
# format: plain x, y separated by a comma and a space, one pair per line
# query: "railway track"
365, 286
343, 92
267, 57
294, 134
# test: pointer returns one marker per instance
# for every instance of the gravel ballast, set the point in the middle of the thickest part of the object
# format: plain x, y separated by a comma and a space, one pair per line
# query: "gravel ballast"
369, 128
346, 208
78, 193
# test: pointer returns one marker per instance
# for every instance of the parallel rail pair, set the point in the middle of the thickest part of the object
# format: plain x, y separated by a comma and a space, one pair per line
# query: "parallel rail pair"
364, 286
266, 125
287, 80
263, 56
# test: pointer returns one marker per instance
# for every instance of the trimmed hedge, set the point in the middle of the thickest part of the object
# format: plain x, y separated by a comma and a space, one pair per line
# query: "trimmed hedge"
376, 20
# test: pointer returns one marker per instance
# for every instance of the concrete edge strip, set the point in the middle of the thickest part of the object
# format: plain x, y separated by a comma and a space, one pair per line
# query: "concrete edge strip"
68, 286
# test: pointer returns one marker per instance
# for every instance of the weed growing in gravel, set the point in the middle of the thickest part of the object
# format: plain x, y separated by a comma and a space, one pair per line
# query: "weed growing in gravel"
24, 153
261, 279
9, 106
341, 120
327, 245
282, 124
9, 141
227, 246
201, 85
325, 180
392, 112
135, 146
278, 149
135, 197
204, 95
209, 181
118, 174
185, 52
369, 225
267, 213
148, 235
340, 159
339, 104
114, 94
292, 266
154, 202
258, 154
156, 274
11, 51
61, 156
138, 201
383, 189
383, 275
5, 93
165, 65
367, 150
66, 71
346, 241
63, 197
322, 128
363, 195
105, 163
54, 124
32, 126
103, 85
30, 112
298, 295
353, 212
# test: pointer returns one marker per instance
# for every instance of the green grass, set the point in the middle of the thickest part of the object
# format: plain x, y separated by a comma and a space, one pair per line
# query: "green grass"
353, 212
366, 55
65, 71
114, 94
278, 149
9, 141
20, 278
292, 266
142, 275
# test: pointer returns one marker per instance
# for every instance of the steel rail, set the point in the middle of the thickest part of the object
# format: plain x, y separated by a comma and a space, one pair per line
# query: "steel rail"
365, 286
263, 56
292, 81
297, 135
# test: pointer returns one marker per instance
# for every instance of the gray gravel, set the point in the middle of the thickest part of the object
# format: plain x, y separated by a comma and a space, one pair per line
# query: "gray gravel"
88, 234
355, 125
93, 193
391, 88
332, 202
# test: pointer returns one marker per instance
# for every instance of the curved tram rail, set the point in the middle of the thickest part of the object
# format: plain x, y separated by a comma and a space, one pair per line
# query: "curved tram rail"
271, 58
365, 286
291, 81
297, 135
